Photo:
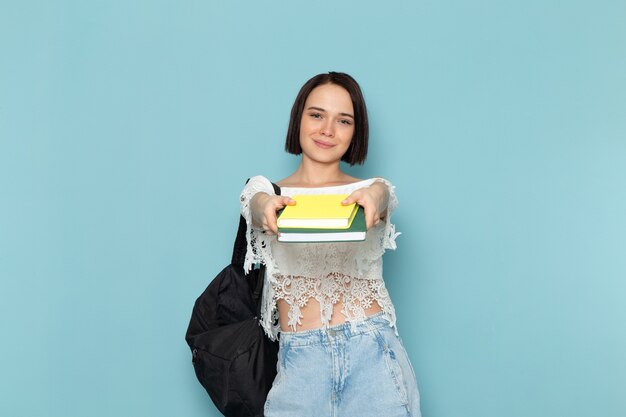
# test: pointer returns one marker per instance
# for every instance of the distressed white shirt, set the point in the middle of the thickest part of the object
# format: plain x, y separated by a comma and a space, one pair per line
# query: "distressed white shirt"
330, 272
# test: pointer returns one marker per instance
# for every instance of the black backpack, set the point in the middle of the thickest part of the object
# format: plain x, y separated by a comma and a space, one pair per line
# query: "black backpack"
233, 358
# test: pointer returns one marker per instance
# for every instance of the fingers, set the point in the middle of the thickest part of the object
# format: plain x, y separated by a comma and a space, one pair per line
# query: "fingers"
355, 197
269, 226
269, 219
372, 218
272, 206
365, 200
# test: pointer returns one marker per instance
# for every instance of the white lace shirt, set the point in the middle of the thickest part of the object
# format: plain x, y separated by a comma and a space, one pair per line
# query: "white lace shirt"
347, 272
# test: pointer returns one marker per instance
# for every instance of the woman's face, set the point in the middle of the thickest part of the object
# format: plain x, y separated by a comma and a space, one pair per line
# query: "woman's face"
327, 124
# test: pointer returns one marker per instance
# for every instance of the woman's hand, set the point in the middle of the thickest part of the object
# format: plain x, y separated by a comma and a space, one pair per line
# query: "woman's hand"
263, 208
373, 199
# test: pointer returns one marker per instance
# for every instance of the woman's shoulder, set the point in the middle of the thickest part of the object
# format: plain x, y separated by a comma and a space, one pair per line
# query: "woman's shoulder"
258, 183
345, 181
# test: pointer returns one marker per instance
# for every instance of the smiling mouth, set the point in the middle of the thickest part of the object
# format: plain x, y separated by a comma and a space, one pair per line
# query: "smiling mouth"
323, 145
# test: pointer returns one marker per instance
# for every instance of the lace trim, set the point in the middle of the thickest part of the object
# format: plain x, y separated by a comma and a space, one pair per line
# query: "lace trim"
357, 295
259, 252
388, 240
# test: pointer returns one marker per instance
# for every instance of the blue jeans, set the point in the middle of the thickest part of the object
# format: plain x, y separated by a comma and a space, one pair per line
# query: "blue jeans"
343, 371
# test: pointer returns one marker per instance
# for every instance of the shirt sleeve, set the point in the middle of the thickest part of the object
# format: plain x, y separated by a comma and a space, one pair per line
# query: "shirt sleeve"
389, 234
257, 250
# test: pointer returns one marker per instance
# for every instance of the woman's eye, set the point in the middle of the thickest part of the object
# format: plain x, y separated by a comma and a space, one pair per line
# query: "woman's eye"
345, 121
316, 115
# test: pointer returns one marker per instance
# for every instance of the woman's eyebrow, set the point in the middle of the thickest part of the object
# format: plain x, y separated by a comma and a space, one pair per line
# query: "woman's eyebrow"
322, 110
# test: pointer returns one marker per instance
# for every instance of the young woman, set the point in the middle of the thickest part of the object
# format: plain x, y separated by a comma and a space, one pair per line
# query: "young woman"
340, 354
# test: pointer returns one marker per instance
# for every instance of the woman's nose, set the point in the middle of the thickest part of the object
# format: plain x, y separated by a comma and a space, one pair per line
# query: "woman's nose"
327, 128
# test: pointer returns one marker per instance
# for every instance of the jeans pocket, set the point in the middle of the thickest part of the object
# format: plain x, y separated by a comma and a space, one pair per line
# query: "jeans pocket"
393, 366
407, 359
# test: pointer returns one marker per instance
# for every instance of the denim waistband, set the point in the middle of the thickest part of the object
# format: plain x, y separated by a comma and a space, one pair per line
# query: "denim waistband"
344, 330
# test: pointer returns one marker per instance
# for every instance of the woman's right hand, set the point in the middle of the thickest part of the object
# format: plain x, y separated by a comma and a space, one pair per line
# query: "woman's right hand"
263, 209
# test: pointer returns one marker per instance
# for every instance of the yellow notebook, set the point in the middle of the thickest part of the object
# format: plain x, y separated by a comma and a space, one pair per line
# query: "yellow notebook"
320, 211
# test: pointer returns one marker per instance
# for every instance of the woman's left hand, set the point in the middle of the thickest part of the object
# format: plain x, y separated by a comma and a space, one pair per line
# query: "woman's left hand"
373, 199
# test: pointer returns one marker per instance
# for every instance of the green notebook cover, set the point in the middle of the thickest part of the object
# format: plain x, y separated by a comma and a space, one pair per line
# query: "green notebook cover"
356, 232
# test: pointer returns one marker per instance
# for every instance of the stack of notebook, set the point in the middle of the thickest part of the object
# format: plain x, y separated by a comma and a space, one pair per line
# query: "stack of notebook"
321, 218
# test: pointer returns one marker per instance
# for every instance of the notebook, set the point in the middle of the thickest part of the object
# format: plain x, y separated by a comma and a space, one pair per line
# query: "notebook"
356, 232
321, 211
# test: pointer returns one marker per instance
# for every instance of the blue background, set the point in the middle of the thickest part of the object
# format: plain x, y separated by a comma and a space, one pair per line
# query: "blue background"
127, 129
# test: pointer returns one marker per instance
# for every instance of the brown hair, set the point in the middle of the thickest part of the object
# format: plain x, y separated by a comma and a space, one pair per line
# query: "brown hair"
357, 151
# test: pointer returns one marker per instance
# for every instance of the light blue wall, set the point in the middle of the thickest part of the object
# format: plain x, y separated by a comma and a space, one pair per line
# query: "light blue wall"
127, 129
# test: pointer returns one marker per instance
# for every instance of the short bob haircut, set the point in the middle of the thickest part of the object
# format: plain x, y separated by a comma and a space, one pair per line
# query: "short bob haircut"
357, 151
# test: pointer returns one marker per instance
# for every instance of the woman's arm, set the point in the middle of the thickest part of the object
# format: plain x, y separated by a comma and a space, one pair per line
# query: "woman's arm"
256, 194
263, 208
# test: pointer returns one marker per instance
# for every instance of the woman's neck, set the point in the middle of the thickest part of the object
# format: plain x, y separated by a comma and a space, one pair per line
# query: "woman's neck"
312, 174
